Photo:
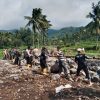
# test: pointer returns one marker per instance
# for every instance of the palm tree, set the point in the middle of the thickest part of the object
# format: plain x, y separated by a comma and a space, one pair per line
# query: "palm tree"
36, 13
45, 25
95, 15
38, 21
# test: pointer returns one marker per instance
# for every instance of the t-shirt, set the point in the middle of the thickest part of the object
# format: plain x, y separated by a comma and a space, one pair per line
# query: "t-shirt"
43, 56
80, 59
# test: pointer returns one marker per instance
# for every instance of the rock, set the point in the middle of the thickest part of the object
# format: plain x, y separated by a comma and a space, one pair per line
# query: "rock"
92, 74
51, 61
55, 76
94, 68
73, 66
14, 76
93, 64
72, 71
79, 98
55, 68
85, 80
15, 70
1, 82
7, 64
71, 63
96, 78
19, 90
98, 72
23, 62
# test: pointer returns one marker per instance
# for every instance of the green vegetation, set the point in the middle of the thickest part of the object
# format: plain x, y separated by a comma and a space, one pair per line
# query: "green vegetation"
40, 25
1, 53
68, 38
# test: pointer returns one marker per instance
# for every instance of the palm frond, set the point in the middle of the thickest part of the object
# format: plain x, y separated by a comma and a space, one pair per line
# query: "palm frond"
29, 23
28, 17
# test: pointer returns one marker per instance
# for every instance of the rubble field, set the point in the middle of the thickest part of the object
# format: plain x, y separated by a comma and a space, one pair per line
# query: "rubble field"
22, 83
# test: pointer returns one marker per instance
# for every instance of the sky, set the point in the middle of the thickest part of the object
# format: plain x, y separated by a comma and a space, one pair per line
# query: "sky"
61, 13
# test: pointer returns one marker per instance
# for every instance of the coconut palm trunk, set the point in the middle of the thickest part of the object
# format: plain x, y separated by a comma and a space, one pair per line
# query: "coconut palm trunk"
43, 39
39, 23
38, 41
97, 40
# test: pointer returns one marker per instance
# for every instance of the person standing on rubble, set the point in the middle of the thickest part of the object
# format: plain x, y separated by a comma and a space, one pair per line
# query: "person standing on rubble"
80, 59
29, 56
43, 62
6, 54
63, 64
17, 57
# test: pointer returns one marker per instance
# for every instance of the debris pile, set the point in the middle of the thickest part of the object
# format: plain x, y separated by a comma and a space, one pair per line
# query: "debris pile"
22, 83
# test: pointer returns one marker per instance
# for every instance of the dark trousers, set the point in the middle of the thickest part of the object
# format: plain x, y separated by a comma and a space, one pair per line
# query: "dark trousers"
43, 63
29, 60
85, 69
17, 61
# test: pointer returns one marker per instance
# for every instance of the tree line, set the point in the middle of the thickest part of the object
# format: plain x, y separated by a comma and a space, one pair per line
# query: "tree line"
37, 35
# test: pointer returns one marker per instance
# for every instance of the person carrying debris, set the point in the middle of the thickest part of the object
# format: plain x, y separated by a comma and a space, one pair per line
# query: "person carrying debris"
43, 63
29, 56
80, 59
36, 56
63, 65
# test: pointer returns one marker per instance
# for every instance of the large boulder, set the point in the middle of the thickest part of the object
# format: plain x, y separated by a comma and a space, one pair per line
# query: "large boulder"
36, 52
98, 72
1, 82
55, 68
72, 71
92, 74
71, 63
94, 68
55, 77
96, 78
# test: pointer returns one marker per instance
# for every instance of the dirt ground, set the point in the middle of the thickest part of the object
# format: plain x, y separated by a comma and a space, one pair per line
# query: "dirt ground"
40, 87
31, 85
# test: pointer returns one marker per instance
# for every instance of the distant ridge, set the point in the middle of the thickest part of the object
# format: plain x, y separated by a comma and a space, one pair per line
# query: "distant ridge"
54, 32
62, 31
12, 31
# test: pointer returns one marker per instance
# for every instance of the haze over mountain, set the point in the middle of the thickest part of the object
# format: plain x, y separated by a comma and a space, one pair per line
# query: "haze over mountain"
54, 32
62, 31
12, 31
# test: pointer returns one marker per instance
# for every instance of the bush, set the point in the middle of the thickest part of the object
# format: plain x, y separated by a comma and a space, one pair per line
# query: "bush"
92, 48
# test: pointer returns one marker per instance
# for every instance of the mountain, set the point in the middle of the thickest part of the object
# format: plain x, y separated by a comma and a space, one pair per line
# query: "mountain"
12, 31
54, 32
61, 32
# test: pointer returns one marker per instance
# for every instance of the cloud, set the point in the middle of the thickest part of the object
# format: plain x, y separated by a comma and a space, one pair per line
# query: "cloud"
61, 13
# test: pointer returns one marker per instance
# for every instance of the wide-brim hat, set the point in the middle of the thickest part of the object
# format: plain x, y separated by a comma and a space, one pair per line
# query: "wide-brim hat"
79, 49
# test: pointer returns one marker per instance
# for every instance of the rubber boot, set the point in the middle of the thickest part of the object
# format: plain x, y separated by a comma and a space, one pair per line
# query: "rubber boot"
41, 70
28, 66
45, 71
